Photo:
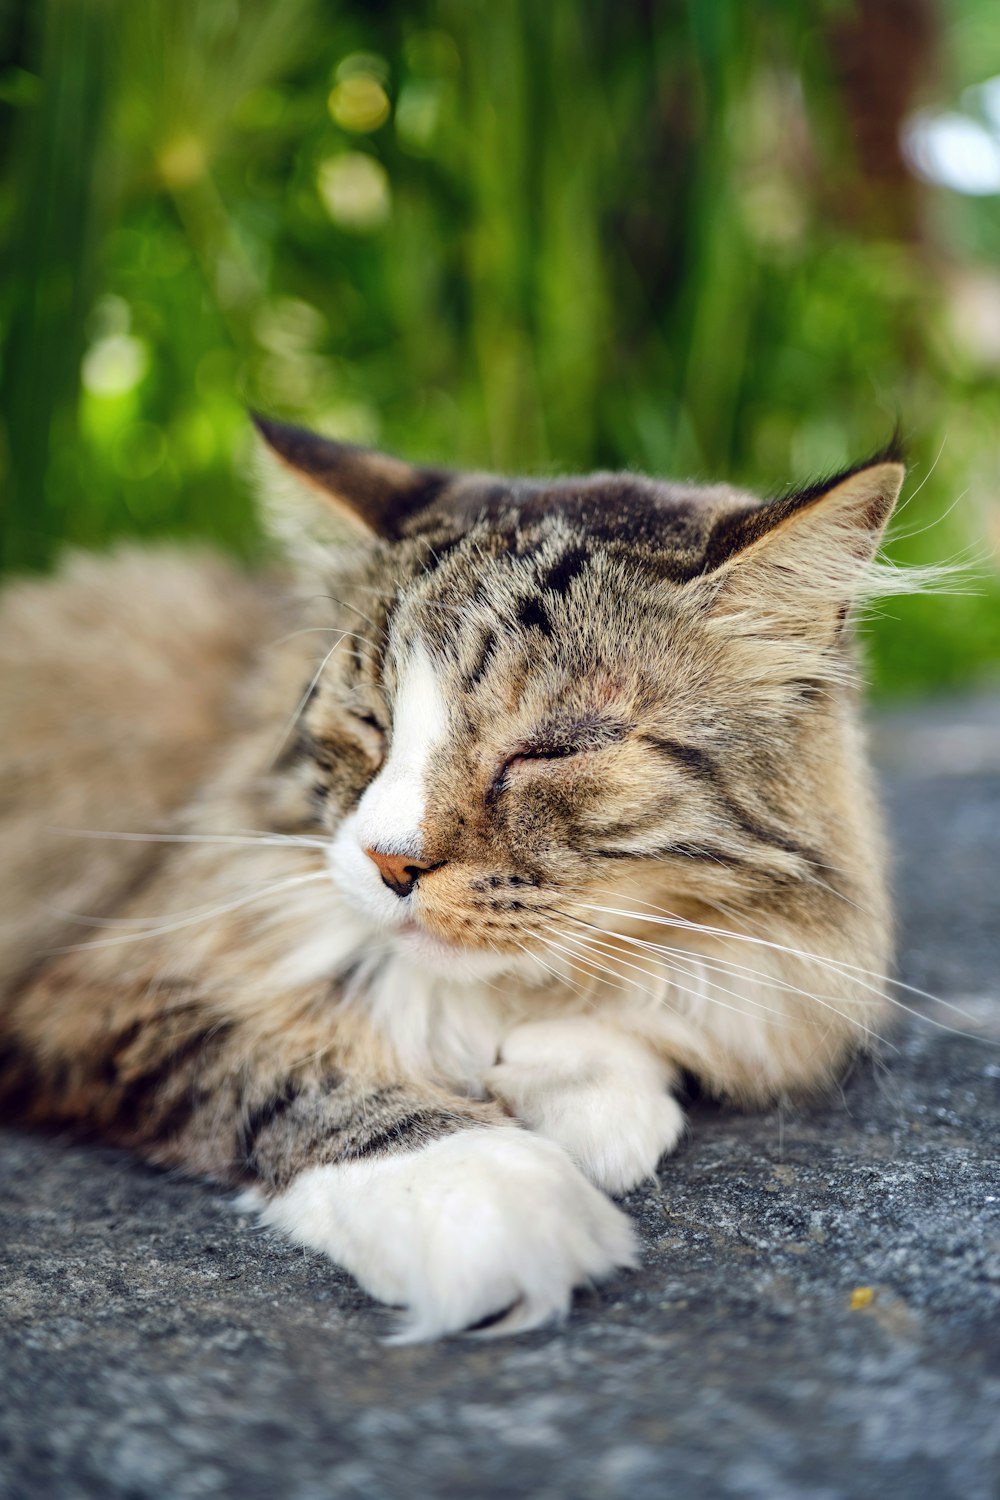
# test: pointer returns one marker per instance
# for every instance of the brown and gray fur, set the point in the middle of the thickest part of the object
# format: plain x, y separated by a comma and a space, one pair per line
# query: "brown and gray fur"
650, 812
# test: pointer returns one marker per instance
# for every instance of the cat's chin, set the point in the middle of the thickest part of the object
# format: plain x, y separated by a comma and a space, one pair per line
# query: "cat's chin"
415, 940
451, 960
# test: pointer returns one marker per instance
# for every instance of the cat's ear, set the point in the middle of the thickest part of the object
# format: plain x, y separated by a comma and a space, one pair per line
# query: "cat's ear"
369, 491
807, 557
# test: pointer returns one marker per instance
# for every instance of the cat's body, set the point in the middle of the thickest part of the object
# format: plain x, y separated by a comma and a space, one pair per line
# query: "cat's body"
534, 797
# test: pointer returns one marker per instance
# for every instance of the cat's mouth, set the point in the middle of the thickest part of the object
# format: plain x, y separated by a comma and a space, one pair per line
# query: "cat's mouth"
415, 943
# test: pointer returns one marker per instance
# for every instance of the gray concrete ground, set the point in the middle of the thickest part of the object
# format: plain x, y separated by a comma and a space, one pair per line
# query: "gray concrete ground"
817, 1314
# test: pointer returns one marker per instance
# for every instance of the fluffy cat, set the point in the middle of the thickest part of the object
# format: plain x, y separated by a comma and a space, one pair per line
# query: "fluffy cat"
424, 878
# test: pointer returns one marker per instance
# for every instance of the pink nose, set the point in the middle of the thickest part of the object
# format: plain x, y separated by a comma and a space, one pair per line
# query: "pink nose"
398, 871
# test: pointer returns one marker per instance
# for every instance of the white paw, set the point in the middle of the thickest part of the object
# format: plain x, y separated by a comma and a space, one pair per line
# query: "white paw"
480, 1221
599, 1093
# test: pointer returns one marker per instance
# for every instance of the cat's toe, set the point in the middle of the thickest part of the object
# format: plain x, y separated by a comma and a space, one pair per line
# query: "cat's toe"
625, 1146
466, 1228
617, 1135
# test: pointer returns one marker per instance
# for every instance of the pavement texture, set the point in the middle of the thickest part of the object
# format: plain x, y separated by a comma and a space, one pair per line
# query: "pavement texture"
817, 1313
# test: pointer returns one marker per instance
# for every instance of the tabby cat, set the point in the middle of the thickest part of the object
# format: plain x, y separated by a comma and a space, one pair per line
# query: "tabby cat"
404, 888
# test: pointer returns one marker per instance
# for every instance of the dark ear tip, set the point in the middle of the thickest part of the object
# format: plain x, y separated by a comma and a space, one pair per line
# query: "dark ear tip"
296, 445
269, 430
893, 452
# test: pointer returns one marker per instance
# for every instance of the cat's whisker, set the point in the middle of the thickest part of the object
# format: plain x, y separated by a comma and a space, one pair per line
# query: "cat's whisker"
319, 630
732, 963
254, 841
142, 924
345, 604
824, 1001
560, 978
700, 994
577, 967
674, 958
668, 918
300, 707
836, 966
909, 499
291, 838
595, 959
729, 967
218, 911
626, 985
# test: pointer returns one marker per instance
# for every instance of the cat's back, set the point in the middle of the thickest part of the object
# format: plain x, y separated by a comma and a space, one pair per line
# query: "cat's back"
118, 677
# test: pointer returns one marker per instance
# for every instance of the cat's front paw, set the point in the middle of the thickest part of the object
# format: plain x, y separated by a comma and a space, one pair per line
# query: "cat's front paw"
469, 1226
599, 1093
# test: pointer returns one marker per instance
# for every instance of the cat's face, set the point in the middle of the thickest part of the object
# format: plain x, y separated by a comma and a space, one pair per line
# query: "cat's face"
536, 693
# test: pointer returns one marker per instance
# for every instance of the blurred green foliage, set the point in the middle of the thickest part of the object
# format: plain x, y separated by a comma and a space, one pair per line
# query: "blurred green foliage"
488, 232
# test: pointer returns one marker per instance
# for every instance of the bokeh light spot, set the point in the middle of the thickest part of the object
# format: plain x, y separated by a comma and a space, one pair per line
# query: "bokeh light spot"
114, 365
359, 104
181, 161
288, 325
954, 151
362, 65
355, 191
418, 113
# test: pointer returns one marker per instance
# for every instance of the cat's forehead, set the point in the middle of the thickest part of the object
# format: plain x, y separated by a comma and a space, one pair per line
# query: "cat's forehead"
546, 593
559, 573
546, 585
665, 528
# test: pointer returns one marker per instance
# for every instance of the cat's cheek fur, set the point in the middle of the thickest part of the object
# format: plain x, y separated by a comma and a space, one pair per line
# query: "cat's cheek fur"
599, 1093
463, 1229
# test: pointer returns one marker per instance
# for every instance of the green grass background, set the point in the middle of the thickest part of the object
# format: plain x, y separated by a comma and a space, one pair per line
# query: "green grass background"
502, 233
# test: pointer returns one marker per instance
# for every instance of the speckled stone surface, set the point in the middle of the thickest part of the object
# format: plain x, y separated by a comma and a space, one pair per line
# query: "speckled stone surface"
155, 1345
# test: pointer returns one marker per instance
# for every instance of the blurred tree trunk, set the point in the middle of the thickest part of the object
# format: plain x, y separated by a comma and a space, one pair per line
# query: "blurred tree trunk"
882, 53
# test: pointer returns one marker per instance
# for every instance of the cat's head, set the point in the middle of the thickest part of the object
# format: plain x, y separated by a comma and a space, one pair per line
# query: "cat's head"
534, 693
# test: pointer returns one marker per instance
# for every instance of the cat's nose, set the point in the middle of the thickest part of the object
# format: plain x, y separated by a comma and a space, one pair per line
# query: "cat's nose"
398, 871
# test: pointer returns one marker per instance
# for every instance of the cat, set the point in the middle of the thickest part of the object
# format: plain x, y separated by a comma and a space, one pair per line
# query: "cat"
421, 873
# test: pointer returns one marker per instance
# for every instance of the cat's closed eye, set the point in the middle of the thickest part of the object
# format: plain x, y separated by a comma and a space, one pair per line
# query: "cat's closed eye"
529, 756
563, 743
542, 753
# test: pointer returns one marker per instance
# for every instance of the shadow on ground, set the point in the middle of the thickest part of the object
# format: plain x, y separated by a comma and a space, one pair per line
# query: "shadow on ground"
817, 1314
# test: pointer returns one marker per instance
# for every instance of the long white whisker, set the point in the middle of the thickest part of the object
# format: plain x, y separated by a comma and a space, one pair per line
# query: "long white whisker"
910, 498
572, 960
837, 966
668, 918
560, 978
344, 604
684, 989
281, 840
81, 919
319, 630
906, 536
305, 698
674, 958
218, 911
727, 964
824, 1001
